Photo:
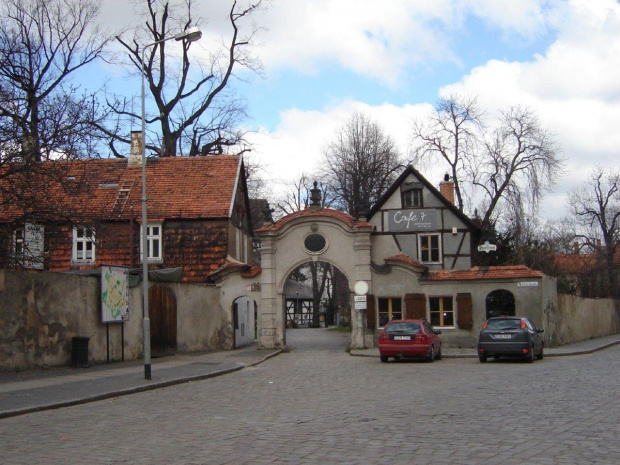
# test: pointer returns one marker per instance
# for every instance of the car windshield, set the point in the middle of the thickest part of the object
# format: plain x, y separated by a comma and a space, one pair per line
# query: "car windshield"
504, 324
409, 328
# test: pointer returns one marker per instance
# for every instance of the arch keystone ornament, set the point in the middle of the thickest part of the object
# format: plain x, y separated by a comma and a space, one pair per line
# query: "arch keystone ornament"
301, 237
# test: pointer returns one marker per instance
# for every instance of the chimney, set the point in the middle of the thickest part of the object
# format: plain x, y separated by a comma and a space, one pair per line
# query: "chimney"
446, 187
135, 156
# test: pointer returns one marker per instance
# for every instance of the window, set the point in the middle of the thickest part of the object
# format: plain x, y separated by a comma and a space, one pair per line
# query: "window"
442, 311
412, 198
429, 246
18, 245
390, 308
153, 242
315, 243
83, 244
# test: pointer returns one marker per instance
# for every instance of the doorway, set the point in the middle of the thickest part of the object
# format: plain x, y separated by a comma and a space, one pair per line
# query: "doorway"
500, 303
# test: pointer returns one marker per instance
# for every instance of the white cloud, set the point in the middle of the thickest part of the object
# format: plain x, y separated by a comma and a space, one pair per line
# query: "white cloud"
376, 40
524, 18
295, 147
574, 87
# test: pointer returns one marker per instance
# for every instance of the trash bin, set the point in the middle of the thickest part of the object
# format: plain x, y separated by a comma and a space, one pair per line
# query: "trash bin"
79, 351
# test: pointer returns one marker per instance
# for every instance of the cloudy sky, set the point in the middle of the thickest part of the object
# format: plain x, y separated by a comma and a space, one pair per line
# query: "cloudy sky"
392, 59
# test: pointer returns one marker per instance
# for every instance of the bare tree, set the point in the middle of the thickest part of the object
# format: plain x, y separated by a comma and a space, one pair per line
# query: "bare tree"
360, 164
596, 207
195, 111
451, 134
520, 161
296, 195
43, 43
499, 170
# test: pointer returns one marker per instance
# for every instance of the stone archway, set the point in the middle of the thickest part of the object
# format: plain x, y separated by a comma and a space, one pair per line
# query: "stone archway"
500, 302
316, 294
313, 234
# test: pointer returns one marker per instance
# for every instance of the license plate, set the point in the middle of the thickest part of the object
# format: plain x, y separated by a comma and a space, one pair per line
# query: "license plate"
402, 338
502, 336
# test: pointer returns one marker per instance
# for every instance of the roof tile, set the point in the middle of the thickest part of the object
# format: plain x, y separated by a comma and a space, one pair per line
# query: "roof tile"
491, 272
177, 187
308, 213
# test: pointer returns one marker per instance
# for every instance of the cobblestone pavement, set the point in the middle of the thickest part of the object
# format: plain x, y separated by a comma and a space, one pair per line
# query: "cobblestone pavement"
318, 405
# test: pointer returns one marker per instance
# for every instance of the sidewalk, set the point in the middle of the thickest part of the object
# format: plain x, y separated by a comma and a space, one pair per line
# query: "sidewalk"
36, 390
578, 348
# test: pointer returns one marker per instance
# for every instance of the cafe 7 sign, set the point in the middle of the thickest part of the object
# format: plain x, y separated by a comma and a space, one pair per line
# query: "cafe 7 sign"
412, 220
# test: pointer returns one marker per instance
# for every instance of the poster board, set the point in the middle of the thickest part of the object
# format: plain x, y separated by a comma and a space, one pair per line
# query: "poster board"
114, 294
33, 246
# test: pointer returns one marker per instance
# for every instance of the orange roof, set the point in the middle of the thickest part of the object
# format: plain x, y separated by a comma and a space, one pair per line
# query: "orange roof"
490, 272
404, 258
177, 187
575, 263
309, 213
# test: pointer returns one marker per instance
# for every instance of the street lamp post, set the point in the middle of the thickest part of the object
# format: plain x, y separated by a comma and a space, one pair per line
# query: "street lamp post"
192, 34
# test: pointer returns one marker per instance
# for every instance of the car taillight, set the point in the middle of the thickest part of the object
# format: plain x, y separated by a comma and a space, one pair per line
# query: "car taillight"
384, 337
522, 324
423, 338
486, 323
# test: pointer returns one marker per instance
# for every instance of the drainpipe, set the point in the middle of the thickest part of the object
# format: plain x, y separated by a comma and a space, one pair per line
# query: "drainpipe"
132, 260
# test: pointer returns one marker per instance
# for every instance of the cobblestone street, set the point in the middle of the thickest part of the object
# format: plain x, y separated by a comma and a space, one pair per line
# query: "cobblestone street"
318, 405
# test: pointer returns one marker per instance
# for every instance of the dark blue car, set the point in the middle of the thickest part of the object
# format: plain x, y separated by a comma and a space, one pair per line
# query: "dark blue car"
510, 336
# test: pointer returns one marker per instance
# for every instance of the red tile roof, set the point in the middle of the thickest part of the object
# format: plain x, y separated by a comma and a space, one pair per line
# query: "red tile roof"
491, 272
230, 265
570, 264
404, 258
308, 213
177, 187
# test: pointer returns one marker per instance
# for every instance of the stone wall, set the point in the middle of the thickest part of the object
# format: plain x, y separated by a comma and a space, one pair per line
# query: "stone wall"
578, 319
40, 313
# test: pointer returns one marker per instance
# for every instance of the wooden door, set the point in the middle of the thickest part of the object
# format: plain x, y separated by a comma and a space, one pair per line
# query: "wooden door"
163, 315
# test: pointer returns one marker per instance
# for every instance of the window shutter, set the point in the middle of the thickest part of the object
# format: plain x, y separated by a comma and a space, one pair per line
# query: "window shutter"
465, 315
371, 314
415, 306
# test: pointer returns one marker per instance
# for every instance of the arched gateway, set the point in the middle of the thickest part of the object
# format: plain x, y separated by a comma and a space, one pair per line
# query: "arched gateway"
310, 235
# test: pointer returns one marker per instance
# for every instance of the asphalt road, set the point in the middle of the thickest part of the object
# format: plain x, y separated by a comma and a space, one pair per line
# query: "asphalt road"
318, 405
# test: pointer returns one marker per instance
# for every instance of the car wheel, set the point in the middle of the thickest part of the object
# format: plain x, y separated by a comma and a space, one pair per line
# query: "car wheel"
431, 355
541, 354
438, 357
383, 358
530, 355
482, 358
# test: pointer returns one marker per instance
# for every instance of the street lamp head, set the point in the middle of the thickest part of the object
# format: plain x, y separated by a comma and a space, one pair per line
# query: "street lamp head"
191, 34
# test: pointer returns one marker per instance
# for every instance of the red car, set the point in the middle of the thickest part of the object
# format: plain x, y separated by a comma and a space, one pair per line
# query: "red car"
409, 339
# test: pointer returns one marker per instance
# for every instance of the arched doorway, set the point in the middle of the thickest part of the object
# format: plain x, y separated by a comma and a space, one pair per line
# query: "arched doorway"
500, 303
316, 294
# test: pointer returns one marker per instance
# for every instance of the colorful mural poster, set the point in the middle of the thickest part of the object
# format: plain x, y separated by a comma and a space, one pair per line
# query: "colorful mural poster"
114, 294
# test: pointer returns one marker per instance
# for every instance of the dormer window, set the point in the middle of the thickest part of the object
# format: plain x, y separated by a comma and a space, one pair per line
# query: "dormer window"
411, 195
